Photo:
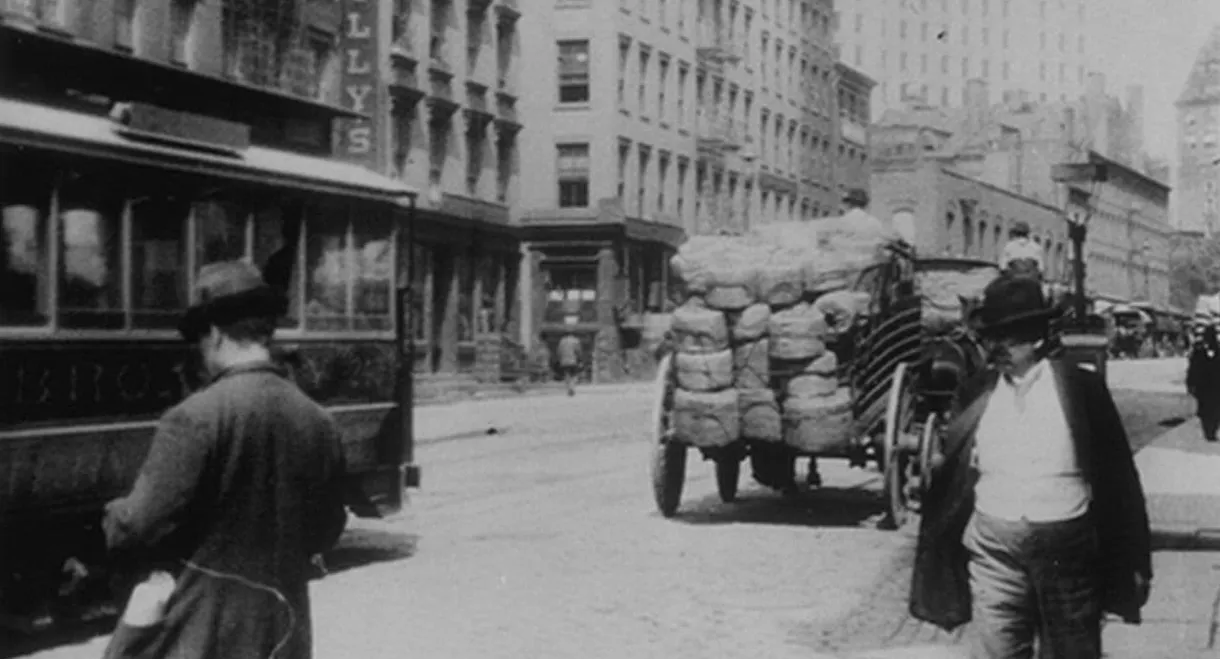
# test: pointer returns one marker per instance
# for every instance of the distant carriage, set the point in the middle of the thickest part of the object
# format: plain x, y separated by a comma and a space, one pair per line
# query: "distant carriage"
901, 360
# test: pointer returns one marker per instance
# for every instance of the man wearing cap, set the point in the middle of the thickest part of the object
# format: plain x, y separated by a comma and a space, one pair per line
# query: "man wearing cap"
1035, 524
240, 490
1021, 255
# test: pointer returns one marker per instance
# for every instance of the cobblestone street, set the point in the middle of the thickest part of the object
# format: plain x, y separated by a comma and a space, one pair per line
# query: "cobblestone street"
542, 541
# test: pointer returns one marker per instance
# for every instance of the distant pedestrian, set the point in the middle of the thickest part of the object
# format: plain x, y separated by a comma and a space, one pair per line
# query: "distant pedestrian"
240, 491
569, 360
1035, 525
1203, 375
1021, 256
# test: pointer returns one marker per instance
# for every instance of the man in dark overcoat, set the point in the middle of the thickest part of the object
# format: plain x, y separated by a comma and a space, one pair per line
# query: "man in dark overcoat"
1035, 526
240, 490
1203, 373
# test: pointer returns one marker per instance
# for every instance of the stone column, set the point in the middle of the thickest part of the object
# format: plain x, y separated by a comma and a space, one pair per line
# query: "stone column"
448, 340
607, 345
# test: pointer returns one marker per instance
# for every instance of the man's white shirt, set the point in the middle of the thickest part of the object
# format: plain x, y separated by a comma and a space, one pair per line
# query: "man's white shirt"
1025, 454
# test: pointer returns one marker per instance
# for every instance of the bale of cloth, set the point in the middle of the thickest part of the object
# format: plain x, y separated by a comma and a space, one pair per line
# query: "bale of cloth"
706, 419
723, 269
944, 293
750, 324
752, 364
798, 332
704, 371
819, 424
695, 328
760, 415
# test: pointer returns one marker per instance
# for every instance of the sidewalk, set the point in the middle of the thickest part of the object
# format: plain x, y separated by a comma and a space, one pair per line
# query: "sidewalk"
1181, 478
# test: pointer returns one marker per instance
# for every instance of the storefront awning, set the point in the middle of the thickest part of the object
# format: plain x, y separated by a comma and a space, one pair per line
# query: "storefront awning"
40, 127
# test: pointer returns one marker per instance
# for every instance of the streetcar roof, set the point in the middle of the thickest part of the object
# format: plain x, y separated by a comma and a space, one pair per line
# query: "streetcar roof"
42, 127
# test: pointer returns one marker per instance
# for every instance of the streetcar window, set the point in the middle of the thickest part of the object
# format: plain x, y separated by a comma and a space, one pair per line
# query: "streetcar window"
350, 273
327, 262
158, 251
269, 227
220, 231
25, 201
374, 275
90, 284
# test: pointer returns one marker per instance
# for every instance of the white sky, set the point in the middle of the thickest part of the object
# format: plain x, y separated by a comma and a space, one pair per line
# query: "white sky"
1154, 43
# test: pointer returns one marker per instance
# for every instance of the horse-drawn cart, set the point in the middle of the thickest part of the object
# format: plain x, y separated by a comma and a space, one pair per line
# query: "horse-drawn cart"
898, 366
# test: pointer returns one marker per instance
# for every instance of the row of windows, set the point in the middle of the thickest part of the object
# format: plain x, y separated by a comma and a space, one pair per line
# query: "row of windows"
984, 7
481, 32
905, 63
946, 94
482, 151
986, 241
657, 75
307, 66
944, 34
653, 183
83, 250
802, 14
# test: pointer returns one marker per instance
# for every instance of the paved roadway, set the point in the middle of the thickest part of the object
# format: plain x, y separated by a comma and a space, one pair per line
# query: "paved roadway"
543, 542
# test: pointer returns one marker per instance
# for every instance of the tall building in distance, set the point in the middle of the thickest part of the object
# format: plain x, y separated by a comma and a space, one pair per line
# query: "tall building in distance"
1196, 198
928, 49
650, 119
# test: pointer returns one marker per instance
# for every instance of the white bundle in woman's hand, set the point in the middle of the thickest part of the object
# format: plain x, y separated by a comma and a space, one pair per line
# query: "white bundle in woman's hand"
148, 601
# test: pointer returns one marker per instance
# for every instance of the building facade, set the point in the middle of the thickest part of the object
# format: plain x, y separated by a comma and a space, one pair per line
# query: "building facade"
1130, 239
928, 49
655, 119
449, 124
855, 91
954, 214
1196, 198
1013, 148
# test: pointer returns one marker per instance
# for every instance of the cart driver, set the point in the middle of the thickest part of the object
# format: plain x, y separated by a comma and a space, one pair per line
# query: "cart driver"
1022, 256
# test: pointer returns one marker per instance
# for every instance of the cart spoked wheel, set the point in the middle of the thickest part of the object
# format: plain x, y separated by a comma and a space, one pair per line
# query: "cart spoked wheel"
899, 418
728, 472
668, 454
929, 452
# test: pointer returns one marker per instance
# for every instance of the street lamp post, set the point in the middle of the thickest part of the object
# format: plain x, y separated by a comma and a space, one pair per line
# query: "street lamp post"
1083, 341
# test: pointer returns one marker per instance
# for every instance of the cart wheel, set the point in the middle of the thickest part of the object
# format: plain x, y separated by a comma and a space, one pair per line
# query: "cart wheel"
728, 472
929, 449
898, 416
668, 454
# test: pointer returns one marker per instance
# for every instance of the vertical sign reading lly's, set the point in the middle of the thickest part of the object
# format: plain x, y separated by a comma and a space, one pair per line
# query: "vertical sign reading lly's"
359, 37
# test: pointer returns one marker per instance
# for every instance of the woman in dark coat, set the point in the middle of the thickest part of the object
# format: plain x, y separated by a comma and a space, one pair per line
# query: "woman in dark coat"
241, 488
1203, 377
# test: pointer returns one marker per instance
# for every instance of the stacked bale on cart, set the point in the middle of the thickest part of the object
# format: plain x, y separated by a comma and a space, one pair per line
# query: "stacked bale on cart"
754, 336
945, 294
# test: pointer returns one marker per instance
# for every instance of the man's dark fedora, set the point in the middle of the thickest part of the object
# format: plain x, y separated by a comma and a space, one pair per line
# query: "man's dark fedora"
1013, 305
227, 292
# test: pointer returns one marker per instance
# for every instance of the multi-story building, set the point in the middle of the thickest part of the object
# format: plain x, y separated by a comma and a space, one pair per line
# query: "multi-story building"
654, 118
1013, 149
928, 49
854, 103
1196, 198
448, 123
